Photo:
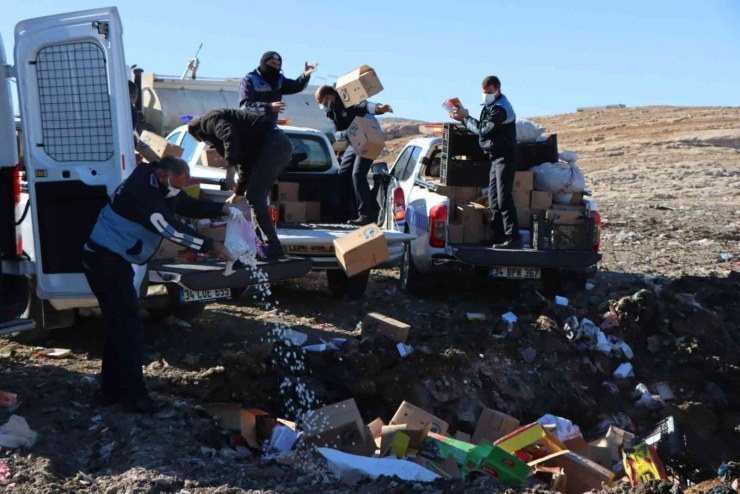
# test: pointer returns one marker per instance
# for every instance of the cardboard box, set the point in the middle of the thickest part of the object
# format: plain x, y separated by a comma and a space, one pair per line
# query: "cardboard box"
524, 181
448, 469
493, 425
339, 426
211, 158
583, 474
167, 250
418, 418
438, 448
287, 192
564, 217
522, 198
469, 215
466, 195
569, 207
414, 437
375, 324
529, 435
361, 249
463, 436
358, 85
497, 463
489, 233
366, 138
293, 212
449, 192
313, 211
577, 199
619, 439
524, 218
455, 233
540, 200
473, 233
161, 146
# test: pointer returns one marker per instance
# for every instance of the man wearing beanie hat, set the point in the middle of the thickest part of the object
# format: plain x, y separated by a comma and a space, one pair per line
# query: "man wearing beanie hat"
261, 91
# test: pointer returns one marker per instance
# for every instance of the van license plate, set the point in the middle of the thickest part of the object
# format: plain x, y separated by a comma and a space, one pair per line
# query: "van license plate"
187, 296
516, 273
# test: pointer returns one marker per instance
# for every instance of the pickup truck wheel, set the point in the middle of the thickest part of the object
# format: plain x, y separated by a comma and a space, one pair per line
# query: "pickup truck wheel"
412, 280
341, 286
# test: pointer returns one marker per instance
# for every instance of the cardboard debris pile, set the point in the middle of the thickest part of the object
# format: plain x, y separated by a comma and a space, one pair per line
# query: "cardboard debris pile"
533, 455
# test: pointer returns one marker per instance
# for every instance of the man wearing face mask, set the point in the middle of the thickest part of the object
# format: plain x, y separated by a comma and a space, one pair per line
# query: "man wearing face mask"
354, 169
128, 231
261, 91
496, 131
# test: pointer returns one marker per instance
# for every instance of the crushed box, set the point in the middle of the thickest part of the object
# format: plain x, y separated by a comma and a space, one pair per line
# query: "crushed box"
358, 85
493, 425
287, 192
161, 146
211, 158
414, 436
418, 418
293, 212
438, 448
339, 426
540, 200
524, 181
366, 137
497, 463
583, 474
522, 198
313, 211
361, 249
394, 330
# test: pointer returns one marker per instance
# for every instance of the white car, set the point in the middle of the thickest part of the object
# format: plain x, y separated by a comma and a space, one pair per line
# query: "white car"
413, 206
318, 180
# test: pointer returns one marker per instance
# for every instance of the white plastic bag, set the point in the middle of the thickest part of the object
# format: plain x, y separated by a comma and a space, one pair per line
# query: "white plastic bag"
568, 156
558, 178
565, 430
16, 432
241, 241
528, 131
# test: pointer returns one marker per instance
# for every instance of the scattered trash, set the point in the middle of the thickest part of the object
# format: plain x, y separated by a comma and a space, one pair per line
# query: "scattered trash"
646, 399
643, 465
725, 257
54, 352
509, 317
404, 350
561, 301
351, 468
665, 391
5, 473
564, 428
8, 399
282, 440
496, 462
476, 316
294, 338
392, 329
611, 387
529, 355
501, 329
321, 347
590, 286
610, 321
624, 371
16, 432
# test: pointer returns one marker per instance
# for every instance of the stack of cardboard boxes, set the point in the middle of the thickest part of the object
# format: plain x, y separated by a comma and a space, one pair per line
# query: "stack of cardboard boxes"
285, 196
364, 134
466, 225
530, 203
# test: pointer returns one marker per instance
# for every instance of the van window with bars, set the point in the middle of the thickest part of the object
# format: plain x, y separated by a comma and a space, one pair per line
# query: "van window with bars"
76, 119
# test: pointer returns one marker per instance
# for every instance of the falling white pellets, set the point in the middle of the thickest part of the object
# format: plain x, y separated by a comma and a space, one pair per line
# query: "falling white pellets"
295, 338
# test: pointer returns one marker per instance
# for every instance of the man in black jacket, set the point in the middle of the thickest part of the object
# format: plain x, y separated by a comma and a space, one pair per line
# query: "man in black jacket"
261, 91
497, 137
256, 147
354, 169
129, 230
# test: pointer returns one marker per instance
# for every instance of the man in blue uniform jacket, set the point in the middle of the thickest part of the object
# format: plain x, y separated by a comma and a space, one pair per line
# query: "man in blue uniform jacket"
129, 229
261, 91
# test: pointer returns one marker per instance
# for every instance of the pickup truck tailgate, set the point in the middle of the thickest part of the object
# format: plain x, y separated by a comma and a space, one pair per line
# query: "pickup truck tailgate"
486, 256
324, 235
209, 274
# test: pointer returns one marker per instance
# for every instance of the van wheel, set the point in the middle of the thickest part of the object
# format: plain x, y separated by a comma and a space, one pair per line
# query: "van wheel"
412, 280
342, 286
22, 289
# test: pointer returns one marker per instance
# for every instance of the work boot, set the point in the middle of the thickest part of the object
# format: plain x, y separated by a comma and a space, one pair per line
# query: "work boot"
274, 251
510, 244
361, 221
143, 405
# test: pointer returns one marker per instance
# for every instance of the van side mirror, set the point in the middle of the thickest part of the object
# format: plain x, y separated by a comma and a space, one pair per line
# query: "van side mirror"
380, 168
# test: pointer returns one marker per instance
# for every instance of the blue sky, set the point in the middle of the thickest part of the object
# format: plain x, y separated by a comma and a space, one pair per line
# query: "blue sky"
551, 56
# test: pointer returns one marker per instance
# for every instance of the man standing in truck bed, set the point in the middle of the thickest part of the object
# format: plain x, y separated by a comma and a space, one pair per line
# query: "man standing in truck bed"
496, 131
128, 231
261, 91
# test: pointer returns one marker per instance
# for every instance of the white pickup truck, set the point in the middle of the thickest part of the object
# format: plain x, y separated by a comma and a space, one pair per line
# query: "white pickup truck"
77, 147
414, 206
315, 169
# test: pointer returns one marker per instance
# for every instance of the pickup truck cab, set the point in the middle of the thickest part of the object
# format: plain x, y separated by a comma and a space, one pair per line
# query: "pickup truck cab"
78, 147
414, 206
315, 168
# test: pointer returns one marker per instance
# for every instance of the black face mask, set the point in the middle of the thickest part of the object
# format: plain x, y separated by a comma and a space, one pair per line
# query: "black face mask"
271, 74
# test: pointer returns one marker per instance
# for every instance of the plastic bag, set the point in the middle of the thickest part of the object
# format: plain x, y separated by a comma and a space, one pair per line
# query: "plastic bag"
528, 131
568, 157
565, 430
241, 241
558, 178
16, 432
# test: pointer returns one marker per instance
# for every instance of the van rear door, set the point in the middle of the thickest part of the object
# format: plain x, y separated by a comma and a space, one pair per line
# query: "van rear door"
9, 173
76, 117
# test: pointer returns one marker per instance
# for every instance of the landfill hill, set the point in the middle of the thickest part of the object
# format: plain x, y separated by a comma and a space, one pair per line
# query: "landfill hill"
666, 182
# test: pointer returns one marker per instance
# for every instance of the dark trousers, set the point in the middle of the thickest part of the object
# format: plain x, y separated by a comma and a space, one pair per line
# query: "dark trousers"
353, 182
501, 199
111, 279
274, 157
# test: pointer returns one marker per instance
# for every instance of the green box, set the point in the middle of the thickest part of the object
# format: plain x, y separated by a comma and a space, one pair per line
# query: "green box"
497, 463
437, 448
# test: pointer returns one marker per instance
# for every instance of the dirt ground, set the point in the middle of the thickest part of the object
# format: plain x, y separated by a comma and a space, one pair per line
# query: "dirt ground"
666, 181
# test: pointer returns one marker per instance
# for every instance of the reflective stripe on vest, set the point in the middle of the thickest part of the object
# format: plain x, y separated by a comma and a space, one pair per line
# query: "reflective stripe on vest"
260, 84
504, 103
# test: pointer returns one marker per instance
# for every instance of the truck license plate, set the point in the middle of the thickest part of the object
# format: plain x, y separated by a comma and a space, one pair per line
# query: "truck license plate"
187, 295
516, 273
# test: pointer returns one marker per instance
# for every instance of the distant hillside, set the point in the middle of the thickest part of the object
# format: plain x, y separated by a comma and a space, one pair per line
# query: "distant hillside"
397, 132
